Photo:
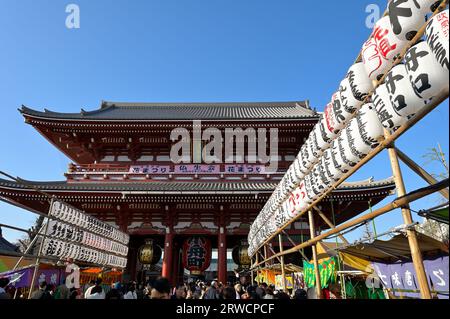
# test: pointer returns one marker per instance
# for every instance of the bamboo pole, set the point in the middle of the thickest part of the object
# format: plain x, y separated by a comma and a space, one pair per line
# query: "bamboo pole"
312, 230
273, 252
283, 271
257, 270
38, 259
399, 202
411, 233
329, 223
419, 171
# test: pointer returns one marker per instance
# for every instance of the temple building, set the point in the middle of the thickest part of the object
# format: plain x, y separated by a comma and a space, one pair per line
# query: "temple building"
122, 173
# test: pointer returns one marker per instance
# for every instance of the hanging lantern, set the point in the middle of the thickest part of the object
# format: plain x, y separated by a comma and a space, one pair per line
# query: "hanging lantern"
240, 255
360, 85
385, 112
328, 120
428, 78
407, 17
350, 104
149, 253
379, 52
437, 37
344, 144
338, 113
197, 255
403, 98
339, 167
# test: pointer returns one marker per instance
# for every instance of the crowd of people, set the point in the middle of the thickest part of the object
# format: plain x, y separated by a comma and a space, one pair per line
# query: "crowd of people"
160, 289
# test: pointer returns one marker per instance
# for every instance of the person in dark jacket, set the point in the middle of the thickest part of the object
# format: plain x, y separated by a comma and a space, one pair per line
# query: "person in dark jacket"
212, 292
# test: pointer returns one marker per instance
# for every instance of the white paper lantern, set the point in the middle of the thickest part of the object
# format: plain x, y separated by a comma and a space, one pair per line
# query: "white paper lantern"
360, 85
356, 142
385, 112
328, 119
322, 141
298, 169
339, 167
437, 35
380, 51
403, 98
369, 125
339, 116
350, 105
333, 174
314, 149
347, 153
407, 17
428, 78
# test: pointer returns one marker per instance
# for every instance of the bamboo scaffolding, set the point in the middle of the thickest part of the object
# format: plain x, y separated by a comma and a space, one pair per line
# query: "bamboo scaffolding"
419, 171
397, 203
411, 233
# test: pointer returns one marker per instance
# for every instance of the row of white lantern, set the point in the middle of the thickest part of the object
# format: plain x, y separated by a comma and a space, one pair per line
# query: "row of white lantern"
408, 87
411, 85
63, 250
353, 143
74, 234
393, 32
78, 218
352, 92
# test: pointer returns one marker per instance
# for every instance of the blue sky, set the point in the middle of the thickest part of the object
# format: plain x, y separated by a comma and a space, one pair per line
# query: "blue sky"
180, 51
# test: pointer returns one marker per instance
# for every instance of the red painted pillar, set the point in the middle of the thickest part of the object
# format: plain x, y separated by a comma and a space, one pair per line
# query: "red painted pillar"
168, 254
222, 256
176, 265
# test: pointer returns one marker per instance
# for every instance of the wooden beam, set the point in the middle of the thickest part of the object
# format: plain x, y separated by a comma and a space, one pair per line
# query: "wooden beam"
312, 230
420, 171
330, 224
416, 254
283, 270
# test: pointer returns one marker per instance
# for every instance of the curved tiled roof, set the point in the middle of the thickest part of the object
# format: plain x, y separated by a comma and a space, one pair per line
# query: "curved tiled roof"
112, 111
260, 187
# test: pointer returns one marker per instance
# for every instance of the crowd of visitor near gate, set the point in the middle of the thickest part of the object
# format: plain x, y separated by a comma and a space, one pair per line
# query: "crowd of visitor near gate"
160, 288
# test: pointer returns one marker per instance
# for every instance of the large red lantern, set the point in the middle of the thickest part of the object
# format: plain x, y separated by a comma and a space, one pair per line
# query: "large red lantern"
197, 255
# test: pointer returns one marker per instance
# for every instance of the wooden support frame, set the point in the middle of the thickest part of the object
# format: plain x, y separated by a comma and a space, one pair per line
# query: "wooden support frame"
419, 171
293, 244
330, 224
397, 203
411, 233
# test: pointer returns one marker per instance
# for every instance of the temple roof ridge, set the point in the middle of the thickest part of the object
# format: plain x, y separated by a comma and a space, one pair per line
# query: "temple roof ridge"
122, 111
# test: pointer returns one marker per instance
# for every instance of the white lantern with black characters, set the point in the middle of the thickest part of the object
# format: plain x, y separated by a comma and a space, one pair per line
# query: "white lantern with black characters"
428, 78
404, 100
380, 51
437, 35
408, 16
360, 84
385, 111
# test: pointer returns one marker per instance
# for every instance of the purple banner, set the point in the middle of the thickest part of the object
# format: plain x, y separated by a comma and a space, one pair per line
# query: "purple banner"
150, 169
401, 277
197, 169
245, 169
22, 278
